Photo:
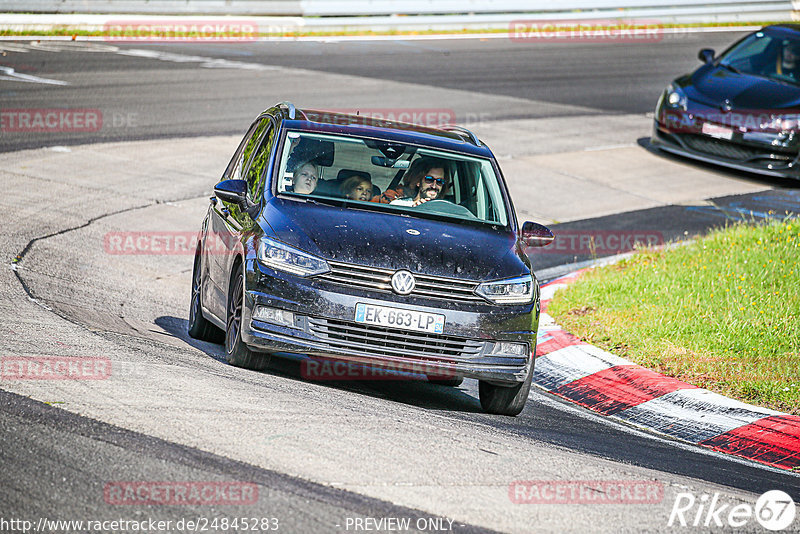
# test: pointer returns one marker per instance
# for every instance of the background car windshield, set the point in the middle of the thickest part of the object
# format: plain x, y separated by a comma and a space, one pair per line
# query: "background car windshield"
771, 56
403, 177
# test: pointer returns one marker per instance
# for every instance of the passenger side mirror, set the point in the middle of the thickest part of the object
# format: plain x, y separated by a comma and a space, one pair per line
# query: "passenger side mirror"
706, 55
234, 191
536, 235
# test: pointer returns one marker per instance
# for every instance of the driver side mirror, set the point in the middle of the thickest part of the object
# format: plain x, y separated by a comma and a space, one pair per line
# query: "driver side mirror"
706, 55
234, 191
536, 235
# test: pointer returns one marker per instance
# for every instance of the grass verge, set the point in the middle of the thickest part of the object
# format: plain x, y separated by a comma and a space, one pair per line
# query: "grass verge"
722, 313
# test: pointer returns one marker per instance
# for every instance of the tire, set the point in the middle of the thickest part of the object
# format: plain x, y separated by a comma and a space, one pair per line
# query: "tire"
237, 353
200, 327
505, 400
450, 382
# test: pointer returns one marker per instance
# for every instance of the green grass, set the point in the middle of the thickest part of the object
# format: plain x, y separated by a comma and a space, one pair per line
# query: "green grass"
722, 313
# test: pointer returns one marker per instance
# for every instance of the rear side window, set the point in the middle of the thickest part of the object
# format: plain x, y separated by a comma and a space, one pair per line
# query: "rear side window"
252, 156
238, 164
260, 158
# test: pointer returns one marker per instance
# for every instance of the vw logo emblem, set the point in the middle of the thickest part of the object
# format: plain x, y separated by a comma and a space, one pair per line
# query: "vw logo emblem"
403, 282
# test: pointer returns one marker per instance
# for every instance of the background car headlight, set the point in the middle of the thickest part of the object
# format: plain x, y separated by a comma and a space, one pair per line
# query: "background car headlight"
675, 98
285, 258
519, 290
785, 123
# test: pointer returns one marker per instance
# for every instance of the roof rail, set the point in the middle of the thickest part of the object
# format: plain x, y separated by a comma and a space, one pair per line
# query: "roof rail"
460, 129
292, 110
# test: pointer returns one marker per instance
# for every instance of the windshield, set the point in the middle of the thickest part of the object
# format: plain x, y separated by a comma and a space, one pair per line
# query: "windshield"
407, 178
770, 56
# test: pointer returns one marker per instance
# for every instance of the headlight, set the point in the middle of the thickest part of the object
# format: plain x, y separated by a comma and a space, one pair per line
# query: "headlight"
786, 123
509, 349
285, 258
273, 315
512, 291
675, 98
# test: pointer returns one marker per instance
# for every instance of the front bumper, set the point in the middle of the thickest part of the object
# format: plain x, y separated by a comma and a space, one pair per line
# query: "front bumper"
726, 153
323, 326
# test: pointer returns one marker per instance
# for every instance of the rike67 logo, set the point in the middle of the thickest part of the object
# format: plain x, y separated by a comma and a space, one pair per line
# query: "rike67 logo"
774, 510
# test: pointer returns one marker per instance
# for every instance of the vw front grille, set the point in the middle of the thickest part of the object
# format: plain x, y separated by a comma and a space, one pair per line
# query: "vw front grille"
379, 341
376, 279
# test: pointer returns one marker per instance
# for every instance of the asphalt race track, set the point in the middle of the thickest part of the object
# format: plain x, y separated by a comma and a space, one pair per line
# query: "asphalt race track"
569, 124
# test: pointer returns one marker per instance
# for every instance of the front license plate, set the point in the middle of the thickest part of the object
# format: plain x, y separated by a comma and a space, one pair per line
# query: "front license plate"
720, 132
399, 318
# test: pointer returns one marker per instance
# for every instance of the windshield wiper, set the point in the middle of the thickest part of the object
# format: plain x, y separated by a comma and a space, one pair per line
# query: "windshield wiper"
326, 200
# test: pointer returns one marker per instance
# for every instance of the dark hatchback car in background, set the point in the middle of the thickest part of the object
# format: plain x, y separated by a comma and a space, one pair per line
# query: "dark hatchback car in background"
289, 262
739, 109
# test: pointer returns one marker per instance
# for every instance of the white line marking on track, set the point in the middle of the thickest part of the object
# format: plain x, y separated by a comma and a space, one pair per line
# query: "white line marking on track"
206, 62
14, 76
608, 147
71, 46
13, 47
59, 46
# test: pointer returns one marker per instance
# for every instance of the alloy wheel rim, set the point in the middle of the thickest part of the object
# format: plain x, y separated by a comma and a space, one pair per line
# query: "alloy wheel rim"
194, 309
234, 313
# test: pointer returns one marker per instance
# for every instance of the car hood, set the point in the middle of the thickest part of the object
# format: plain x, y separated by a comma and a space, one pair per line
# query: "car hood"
712, 85
393, 241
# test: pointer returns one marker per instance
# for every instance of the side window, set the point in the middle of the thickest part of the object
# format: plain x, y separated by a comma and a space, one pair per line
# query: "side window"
236, 165
257, 168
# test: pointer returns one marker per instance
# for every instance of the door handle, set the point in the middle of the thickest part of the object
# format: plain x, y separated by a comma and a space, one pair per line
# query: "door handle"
213, 201
225, 212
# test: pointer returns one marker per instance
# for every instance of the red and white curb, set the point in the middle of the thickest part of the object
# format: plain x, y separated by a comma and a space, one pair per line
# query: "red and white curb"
618, 388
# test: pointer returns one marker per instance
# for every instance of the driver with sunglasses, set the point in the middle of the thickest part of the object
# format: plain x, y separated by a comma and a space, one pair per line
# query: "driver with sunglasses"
426, 179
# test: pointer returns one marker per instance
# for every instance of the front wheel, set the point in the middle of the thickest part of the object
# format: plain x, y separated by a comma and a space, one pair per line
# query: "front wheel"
200, 327
505, 400
237, 353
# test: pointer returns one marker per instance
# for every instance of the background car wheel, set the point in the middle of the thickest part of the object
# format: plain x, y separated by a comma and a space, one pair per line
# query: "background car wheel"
452, 382
504, 400
199, 327
237, 352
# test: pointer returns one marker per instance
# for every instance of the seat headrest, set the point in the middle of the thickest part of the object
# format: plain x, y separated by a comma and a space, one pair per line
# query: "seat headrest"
346, 173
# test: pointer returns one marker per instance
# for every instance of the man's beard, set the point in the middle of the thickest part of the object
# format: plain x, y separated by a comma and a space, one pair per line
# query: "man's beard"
429, 193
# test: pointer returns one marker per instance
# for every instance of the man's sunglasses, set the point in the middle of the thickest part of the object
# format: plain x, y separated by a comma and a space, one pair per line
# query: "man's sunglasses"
431, 179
